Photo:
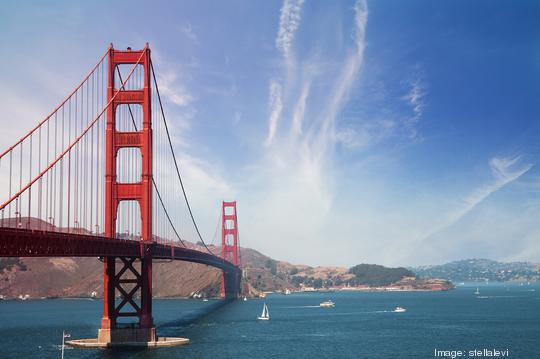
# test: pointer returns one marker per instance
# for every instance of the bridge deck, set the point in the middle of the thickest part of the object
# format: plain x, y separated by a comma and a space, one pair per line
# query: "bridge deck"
16, 242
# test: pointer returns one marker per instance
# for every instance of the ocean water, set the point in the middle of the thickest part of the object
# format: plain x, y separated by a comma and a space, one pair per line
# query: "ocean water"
362, 325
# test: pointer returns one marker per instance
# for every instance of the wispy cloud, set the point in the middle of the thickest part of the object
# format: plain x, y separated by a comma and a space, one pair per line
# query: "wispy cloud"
342, 87
300, 109
505, 171
365, 135
172, 87
188, 32
297, 164
416, 99
314, 146
275, 106
289, 21
172, 90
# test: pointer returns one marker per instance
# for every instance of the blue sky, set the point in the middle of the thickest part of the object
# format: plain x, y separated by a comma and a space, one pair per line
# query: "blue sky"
390, 132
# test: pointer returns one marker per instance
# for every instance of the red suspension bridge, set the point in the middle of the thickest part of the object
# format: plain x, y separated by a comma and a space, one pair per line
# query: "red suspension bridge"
98, 177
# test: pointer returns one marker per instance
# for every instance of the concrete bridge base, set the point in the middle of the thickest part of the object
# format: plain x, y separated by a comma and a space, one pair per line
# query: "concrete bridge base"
127, 337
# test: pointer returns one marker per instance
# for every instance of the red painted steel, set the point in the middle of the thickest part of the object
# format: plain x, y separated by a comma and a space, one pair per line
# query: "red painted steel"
229, 237
20, 242
116, 192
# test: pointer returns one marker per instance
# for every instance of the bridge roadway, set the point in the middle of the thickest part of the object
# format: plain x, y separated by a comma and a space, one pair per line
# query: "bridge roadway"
15, 242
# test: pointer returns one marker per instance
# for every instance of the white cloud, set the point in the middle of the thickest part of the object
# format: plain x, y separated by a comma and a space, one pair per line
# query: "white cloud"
275, 105
350, 71
173, 91
289, 21
416, 99
300, 109
189, 33
172, 87
365, 135
294, 180
505, 170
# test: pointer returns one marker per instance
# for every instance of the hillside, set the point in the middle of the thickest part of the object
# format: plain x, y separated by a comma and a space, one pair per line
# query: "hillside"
79, 277
479, 270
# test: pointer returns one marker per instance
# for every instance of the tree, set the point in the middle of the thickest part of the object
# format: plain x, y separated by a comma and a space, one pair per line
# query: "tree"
271, 265
377, 275
297, 280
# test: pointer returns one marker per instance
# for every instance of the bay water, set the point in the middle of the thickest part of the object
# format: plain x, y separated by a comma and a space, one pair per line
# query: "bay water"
504, 317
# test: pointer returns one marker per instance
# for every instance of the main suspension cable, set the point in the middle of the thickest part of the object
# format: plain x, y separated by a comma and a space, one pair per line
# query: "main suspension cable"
175, 162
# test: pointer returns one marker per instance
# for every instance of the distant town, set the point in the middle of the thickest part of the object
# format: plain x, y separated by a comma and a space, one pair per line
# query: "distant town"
482, 270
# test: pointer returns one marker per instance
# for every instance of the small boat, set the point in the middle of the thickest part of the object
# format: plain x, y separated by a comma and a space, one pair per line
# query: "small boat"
399, 310
245, 299
205, 300
265, 315
327, 304
477, 292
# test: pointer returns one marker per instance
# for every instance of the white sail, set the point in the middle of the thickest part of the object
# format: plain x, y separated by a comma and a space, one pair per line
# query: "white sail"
264, 315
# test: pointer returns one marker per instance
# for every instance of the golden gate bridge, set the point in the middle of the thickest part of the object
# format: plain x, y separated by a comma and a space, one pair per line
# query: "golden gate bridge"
98, 177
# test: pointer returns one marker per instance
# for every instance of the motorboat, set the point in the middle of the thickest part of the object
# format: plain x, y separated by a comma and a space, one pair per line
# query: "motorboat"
327, 304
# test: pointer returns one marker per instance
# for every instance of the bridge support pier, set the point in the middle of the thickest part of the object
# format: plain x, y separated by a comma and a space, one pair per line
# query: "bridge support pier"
134, 285
230, 286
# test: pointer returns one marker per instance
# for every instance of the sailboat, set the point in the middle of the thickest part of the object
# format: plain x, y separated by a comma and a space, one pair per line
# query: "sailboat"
477, 291
265, 315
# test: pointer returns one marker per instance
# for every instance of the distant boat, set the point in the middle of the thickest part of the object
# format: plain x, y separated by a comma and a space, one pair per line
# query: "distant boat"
477, 292
265, 315
245, 299
93, 295
399, 310
327, 304
287, 291
205, 300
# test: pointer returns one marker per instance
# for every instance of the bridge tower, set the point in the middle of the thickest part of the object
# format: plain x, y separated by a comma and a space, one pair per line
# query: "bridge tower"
229, 248
125, 275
